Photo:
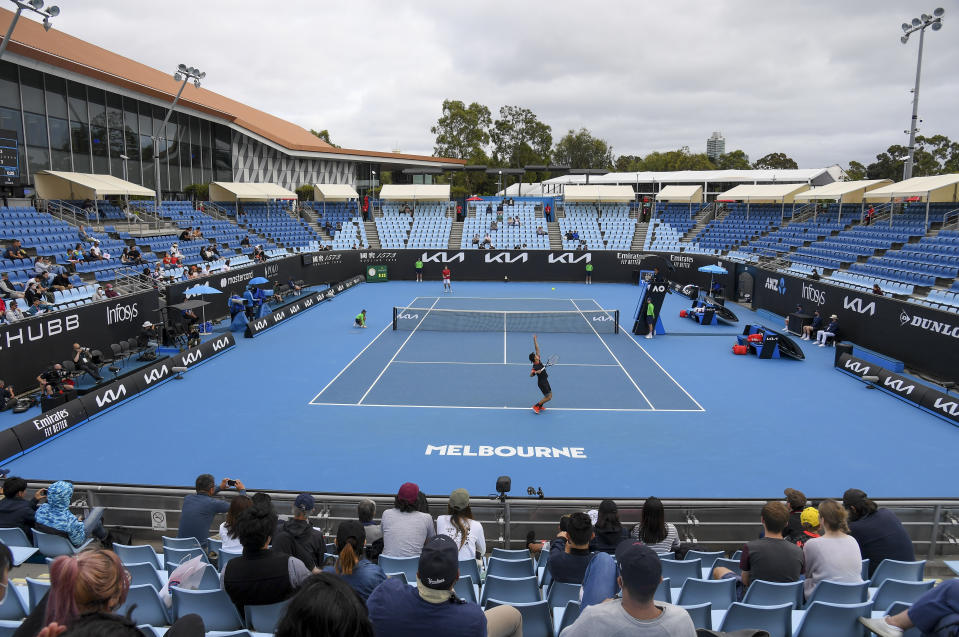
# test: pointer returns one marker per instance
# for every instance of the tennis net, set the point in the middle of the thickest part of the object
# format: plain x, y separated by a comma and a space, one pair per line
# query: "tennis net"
422, 318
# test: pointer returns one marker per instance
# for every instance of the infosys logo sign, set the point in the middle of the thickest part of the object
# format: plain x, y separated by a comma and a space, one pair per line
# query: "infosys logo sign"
121, 313
946, 329
813, 294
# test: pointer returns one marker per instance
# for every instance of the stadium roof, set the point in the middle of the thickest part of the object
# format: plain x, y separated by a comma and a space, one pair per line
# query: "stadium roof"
935, 188
681, 194
77, 56
55, 184
228, 190
844, 191
334, 192
598, 193
783, 193
798, 175
415, 192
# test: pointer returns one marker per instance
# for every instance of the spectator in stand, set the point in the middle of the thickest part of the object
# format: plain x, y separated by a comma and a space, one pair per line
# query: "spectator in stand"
245, 241
879, 532
569, 553
636, 613
109, 292
95, 254
653, 530
38, 307
815, 275
405, 529
769, 558
608, 531
261, 575
36, 292
834, 556
351, 564
54, 516
815, 326
877, 290
431, 607
15, 251
83, 359
460, 525
61, 282
175, 252
870, 214
796, 501
41, 265
476, 239
325, 605
228, 538
936, 612
187, 234
810, 527
365, 511
8, 288
15, 511
540, 231
193, 273
196, 515
125, 256
135, 257
298, 538
830, 331
569, 235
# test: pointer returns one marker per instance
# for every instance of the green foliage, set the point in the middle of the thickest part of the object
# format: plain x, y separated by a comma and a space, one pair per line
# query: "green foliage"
733, 160
325, 136
855, 172
681, 159
935, 155
519, 138
579, 149
775, 161
197, 192
304, 192
462, 132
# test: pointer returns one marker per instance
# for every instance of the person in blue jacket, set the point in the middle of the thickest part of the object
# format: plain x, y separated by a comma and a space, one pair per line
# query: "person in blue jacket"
54, 516
831, 331
812, 328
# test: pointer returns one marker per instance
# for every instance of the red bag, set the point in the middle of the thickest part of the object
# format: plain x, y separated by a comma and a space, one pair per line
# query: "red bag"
740, 349
682, 313
755, 338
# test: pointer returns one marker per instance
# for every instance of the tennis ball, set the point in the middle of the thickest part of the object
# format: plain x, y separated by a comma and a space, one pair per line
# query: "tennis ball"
552, 288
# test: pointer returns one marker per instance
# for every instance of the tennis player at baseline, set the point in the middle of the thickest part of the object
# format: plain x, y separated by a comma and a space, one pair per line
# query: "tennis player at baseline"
542, 377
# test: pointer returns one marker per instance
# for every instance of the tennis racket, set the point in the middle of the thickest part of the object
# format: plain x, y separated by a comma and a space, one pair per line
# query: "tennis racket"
552, 360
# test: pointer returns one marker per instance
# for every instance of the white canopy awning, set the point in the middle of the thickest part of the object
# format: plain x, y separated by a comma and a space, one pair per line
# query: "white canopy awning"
334, 192
763, 193
227, 190
933, 189
599, 193
55, 184
415, 192
842, 191
681, 194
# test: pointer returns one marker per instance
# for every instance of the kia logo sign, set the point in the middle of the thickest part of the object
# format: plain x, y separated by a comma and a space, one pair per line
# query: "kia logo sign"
569, 257
220, 344
156, 374
950, 407
857, 367
443, 257
856, 305
109, 396
191, 358
506, 257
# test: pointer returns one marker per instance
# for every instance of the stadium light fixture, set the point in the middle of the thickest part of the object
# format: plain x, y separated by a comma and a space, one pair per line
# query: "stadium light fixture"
182, 74
918, 24
36, 6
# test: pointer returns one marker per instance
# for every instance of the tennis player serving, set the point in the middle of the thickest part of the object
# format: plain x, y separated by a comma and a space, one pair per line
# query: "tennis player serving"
542, 377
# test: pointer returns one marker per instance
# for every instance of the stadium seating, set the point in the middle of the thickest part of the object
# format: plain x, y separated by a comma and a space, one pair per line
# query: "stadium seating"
599, 226
669, 223
506, 236
741, 224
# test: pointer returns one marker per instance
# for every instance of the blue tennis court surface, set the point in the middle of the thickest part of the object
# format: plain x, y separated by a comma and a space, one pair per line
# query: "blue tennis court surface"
489, 368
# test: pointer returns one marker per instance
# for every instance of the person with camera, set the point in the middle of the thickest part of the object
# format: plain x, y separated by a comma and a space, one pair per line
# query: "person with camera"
15, 510
8, 398
53, 380
196, 516
83, 359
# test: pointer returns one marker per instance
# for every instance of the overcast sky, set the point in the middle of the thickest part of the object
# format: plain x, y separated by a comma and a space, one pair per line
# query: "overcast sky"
825, 81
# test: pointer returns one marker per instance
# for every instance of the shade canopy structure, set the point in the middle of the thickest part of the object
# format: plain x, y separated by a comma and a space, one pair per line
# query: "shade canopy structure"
191, 304
230, 190
937, 188
598, 193
763, 193
334, 192
842, 191
415, 192
681, 194
712, 268
55, 184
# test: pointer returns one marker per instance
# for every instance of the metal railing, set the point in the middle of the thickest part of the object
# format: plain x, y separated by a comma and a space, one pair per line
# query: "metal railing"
148, 512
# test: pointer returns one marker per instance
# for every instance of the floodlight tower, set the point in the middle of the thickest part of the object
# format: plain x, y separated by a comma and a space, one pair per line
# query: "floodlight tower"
918, 24
183, 73
33, 5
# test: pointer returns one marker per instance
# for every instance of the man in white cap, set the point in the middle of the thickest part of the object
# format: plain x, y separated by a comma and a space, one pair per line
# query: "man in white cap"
831, 331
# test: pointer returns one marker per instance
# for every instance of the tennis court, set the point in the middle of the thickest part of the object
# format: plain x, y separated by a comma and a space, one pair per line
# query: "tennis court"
473, 353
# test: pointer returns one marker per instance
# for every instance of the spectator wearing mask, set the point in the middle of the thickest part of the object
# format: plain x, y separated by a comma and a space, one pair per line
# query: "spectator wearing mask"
109, 292
229, 540
460, 525
196, 516
54, 516
15, 510
405, 529
569, 553
261, 575
351, 563
834, 556
653, 530
636, 613
608, 532
325, 605
879, 532
431, 608
298, 538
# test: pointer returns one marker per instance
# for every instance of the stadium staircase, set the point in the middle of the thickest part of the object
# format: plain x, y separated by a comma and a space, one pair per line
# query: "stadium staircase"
372, 236
639, 236
555, 238
703, 217
456, 235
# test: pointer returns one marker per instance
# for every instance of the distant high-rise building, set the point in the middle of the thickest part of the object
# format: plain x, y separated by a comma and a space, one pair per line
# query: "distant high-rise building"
715, 146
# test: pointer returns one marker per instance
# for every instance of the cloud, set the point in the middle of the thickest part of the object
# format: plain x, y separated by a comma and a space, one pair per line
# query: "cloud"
822, 81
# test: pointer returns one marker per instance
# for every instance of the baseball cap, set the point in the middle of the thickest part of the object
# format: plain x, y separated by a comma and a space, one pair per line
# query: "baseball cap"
810, 516
639, 566
408, 492
147, 324
459, 499
304, 502
853, 497
834, 317
439, 563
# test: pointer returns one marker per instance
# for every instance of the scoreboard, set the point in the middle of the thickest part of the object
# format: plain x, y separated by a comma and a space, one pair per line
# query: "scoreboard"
9, 157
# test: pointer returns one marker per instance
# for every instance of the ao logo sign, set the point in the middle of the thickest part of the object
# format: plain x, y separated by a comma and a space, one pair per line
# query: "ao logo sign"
658, 288
569, 257
407, 316
506, 257
856, 305
950, 407
220, 344
442, 257
109, 396
156, 374
857, 367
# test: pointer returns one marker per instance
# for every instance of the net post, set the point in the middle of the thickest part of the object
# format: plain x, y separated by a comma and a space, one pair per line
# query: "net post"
615, 321
394, 318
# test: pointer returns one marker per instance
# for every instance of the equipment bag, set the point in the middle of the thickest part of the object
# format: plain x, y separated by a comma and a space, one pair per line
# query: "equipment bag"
755, 338
740, 349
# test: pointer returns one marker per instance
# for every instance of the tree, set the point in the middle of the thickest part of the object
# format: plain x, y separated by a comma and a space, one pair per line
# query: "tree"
856, 171
579, 149
776, 161
519, 138
304, 192
733, 160
628, 163
681, 159
325, 136
462, 132
197, 192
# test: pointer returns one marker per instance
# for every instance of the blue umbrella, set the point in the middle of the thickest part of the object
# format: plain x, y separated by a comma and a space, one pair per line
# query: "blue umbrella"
199, 290
713, 269
258, 281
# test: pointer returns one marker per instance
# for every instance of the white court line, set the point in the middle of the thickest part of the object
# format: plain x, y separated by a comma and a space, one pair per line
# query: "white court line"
504, 338
396, 354
497, 363
388, 325
616, 359
502, 408
630, 336
507, 298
